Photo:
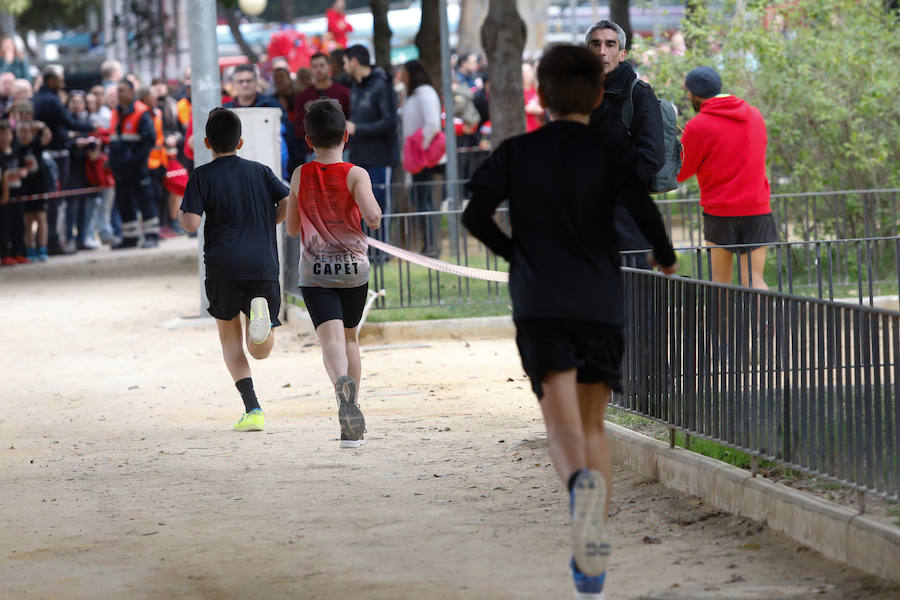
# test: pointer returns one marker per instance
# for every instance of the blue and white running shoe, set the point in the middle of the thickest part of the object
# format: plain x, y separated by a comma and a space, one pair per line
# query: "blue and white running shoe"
590, 543
587, 587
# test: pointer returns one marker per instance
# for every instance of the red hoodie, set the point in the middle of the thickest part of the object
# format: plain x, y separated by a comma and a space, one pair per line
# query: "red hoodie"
725, 147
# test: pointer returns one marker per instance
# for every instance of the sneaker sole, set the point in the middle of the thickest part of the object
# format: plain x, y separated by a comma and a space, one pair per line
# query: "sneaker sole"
353, 443
260, 321
353, 424
590, 542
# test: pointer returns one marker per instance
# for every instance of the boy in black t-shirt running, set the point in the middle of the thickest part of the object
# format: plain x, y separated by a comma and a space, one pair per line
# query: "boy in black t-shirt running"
243, 201
562, 182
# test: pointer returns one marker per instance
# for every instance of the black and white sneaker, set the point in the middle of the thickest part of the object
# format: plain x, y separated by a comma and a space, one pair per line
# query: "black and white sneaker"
353, 424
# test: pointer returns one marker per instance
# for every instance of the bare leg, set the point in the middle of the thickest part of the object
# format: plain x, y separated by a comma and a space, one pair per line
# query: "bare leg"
258, 351
592, 401
231, 338
354, 362
42, 228
562, 418
334, 348
721, 261
754, 270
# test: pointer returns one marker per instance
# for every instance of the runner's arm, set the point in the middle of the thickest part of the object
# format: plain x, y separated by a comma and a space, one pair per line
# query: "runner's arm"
292, 225
360, 186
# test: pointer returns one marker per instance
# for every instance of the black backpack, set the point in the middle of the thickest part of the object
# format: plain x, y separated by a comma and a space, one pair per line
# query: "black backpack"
665, 180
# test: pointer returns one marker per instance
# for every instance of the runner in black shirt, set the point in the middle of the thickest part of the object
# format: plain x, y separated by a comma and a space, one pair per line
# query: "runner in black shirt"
562, 183
243, 201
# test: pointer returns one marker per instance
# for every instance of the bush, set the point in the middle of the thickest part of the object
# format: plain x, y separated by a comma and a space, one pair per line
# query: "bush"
824, 75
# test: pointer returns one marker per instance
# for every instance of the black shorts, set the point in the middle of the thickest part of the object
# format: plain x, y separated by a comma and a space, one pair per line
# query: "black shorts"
229, 297
326, 304
33, 206
753, 232
594, 349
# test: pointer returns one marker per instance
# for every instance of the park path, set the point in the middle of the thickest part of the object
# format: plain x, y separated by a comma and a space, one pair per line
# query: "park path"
121, 476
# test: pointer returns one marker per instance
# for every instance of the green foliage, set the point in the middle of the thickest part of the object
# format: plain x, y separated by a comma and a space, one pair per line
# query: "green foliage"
50, 14
824, 75
14, 7
147, 29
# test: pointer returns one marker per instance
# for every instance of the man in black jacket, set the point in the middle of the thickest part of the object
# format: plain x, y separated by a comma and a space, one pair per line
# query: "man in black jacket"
372, 124
643, 143
49, 109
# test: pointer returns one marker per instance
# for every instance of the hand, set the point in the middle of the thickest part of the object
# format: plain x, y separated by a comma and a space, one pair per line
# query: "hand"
37, 125
669, 270
351, 127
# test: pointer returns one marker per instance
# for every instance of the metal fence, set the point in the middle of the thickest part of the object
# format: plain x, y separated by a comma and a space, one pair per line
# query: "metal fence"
844, 214
804, 382
830, 266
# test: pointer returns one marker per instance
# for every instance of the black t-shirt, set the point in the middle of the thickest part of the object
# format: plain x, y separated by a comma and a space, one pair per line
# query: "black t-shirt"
562, 182
29, 157
240, 199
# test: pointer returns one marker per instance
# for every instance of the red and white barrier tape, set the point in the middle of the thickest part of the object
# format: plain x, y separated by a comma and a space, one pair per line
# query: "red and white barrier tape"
59, 194
439, 265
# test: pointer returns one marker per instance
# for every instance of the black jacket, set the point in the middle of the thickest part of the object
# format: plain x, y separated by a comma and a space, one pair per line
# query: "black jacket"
646, 135
373, 109
49, 109
642, 148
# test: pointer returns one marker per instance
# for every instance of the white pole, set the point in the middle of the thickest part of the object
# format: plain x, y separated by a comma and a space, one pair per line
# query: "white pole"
206, 94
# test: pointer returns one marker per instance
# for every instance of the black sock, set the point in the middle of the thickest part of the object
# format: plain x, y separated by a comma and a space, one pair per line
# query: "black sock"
572, 478
245, 387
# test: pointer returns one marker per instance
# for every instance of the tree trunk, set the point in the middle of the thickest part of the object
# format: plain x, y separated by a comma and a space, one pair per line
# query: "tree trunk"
619, 14
534, 13
381, 33
286, 11
234, 25
503, 39
428, 41
471, 18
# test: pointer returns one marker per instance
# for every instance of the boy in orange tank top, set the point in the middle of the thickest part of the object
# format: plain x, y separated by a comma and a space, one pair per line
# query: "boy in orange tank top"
328, 199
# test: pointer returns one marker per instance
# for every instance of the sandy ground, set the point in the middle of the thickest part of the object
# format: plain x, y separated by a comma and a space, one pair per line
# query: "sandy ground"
121, 477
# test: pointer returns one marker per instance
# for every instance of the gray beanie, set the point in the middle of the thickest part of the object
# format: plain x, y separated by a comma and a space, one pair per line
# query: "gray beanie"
703, 82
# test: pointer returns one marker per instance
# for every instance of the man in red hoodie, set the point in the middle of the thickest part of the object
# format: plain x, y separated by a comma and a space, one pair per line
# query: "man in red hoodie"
725, 147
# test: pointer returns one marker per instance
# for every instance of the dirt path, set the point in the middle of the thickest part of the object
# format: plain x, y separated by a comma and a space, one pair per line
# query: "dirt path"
122, 478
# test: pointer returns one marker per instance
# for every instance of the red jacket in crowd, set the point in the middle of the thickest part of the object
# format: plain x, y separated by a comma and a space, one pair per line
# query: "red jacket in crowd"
725, 147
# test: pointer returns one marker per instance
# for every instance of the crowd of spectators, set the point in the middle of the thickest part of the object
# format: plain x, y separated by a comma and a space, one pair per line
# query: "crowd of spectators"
72, 139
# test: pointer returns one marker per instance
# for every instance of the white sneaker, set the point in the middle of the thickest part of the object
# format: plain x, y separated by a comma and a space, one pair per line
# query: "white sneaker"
348, 443
590, 542
260, 321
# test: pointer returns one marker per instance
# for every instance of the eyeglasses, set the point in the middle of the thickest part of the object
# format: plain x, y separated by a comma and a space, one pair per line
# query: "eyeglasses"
243, 81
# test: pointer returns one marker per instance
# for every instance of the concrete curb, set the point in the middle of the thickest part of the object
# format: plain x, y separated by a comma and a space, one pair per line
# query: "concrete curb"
836, 532
402, 331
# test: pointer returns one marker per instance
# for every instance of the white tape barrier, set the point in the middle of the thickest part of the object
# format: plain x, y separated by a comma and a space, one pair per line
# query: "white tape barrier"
439, 265
373, 296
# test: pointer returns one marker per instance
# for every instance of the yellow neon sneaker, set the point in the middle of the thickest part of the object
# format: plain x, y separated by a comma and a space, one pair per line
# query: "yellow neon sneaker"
254, 420
260, 321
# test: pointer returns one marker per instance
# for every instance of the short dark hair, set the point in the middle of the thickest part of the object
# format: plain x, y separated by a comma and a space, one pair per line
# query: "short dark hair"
570, 79
360, 53
318, 55
417, 75
244, 67
125, 82
4, 125
223, 130
325, 123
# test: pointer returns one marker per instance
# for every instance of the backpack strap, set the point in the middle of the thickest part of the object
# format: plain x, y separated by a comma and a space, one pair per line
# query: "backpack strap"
628, 105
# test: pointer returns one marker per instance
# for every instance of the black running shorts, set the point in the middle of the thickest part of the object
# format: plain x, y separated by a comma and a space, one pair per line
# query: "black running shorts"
594, 349
752, 232
326, 304
229, 297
